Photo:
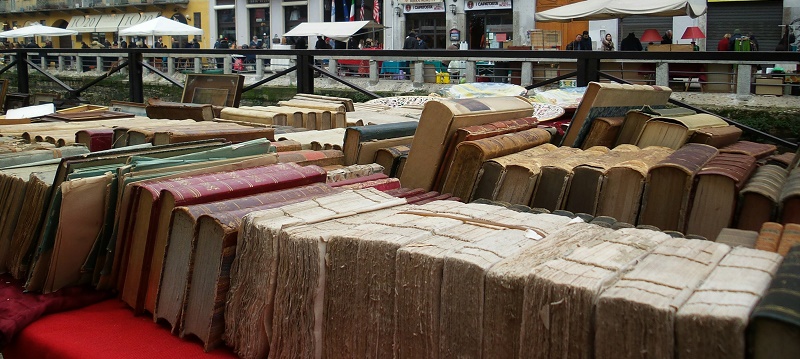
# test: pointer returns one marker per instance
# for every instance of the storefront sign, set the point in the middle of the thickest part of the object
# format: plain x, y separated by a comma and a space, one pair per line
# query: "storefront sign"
470, 5
423, 7
455, 35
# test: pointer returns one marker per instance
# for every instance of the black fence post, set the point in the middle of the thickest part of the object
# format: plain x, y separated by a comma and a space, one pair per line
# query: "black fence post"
22, 71
588, 70
135, 75
305, 73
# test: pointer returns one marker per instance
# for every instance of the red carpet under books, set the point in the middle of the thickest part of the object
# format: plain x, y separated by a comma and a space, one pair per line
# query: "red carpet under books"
104, 330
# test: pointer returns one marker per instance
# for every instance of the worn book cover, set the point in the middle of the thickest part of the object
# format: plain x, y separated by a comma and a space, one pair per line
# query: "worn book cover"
760, 197
673, 132
356, 135
603, 132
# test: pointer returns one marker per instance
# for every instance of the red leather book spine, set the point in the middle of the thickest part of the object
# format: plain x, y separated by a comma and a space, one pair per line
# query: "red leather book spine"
260, 199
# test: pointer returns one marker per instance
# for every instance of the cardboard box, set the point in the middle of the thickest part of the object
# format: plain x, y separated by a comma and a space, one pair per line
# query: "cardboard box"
769, 86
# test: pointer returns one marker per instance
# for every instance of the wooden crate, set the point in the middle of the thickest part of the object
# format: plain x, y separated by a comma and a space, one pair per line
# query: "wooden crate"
769, 86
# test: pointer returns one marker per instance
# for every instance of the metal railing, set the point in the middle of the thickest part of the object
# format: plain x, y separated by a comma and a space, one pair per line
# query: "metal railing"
727, 71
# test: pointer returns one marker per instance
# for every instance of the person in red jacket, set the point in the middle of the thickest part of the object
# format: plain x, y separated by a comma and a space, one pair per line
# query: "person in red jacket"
725, 43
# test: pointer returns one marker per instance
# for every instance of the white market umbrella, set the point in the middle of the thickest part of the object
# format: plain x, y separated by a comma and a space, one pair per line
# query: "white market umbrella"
36, 29
339, 31
161, 26
617, 9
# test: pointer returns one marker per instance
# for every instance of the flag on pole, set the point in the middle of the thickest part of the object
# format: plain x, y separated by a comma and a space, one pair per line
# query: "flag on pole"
333, 10
353, 10
361, 12
346, 12
376, 11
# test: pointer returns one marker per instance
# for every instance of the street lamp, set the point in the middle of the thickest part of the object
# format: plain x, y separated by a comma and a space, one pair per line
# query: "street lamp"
453, 8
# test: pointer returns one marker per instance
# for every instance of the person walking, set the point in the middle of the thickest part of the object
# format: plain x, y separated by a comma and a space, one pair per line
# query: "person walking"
607, 43
630, 43
410, 41
724, 44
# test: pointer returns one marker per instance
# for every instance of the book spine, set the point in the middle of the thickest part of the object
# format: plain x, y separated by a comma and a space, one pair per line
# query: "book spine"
384, 184
388, 130
789, 238
351, 181
769, 237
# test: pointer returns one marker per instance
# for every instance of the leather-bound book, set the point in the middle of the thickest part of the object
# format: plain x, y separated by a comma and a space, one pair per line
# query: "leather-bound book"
769, 237
401, 165
755, 149
578, 278
440, 120
27, 157
356, 135
185, 238
405, 192
492, 172
313, 104
737, 237
317, 140
654, 289
716, 193
253, 115
789, 238
783, 160
470, 155
610, 100
353, 171
675, 132
440, 197
308, 157
257, 270
735, 286
717, 136
603, 132
383, 184
477, 132
623, 184
790, 198
556, 177
774, 326
286, 145
235, 135
588, 177
354, 180
760, 197
504, 292
668, 189
368, 149
389, 158
23, 238
270, 178
95, 139
635, 121
178, 110
520, 179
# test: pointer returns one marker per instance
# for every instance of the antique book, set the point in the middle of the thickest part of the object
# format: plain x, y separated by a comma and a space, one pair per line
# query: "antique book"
179, 110
783, 160
675, 132
440, 119
286, 145
368, 149
610, 100
401, 165
477, 132
389, 158
217, 89
769, 237
137, 135
636, 119
555, 177
138, 235
520, 179
493, 171
654, 289
346, 102
23, 238
235, 135
256, 270
294, 116
353, 171
717, 136
317, 105
550, 330
356, 135
308, 157
38, 155
603, 132
470, 155
12, 192
790, 198
789, 238
270, 178
755, 149
383, 184
587, 180
775, 324
760, 197
355, 180
185, 237
253, 116
623, 184
735, 286
667, 190
316, 140
716, 193
95, 139
737, 237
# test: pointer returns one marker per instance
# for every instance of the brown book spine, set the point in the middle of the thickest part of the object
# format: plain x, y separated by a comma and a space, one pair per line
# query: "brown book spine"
603, 132
789, 238
717, 136
234, 135
389, 158
287, 145
757, 150
308, 157
769, 237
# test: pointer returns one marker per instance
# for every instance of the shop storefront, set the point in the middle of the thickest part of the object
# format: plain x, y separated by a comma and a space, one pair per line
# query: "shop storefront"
226, 20
427, 20
760, 18
490, 23
258, 17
